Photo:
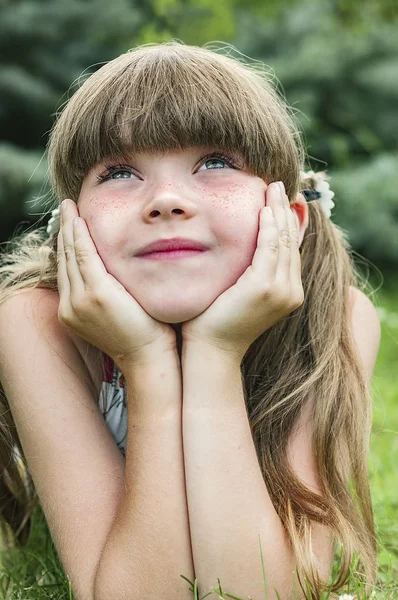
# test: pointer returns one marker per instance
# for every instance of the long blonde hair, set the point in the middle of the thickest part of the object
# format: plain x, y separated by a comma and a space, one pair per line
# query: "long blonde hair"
168, 96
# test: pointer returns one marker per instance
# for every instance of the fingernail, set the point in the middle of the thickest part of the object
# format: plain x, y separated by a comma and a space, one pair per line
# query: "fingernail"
282, 188
63, 205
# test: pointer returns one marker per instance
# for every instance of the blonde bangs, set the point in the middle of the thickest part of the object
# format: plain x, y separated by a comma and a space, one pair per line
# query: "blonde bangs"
171, 96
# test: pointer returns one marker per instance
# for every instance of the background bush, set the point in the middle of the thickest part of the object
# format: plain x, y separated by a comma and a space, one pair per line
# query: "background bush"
336, 61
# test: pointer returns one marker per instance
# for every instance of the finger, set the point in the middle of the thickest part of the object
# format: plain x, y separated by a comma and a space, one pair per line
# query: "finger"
91, 267
265, 259
284, 255
75, 278
62, 274
295, 260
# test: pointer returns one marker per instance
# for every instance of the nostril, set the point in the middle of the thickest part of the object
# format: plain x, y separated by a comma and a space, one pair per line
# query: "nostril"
155, 213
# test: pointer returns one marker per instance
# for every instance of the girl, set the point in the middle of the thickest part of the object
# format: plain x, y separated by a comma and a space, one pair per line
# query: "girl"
193, 298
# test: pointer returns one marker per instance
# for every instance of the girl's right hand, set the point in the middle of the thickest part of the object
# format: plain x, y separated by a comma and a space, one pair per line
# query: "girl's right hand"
96, 307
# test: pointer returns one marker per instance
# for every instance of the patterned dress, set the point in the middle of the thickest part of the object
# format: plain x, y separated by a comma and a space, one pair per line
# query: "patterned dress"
112, 403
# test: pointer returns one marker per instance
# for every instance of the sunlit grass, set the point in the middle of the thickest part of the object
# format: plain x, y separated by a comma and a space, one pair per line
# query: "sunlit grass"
35, 573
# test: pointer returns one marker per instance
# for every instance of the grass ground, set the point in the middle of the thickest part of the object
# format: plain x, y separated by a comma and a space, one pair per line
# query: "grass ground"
383, 463
35, 573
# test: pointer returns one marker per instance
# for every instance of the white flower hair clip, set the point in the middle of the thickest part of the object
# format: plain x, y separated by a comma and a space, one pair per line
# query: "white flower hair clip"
319, 189
54, 223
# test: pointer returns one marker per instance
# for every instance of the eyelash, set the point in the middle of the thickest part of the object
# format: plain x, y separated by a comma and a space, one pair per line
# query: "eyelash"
111, 169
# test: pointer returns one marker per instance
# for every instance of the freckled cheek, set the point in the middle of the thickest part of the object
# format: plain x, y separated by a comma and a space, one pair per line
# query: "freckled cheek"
104, 217
109, 206
236, 217
107, 235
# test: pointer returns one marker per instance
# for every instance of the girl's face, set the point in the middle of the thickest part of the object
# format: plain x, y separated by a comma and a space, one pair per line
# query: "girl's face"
196, 193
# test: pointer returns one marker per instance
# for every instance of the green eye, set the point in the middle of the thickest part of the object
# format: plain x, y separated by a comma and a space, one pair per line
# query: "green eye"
217, 161
120, 175
212, 163
120, 172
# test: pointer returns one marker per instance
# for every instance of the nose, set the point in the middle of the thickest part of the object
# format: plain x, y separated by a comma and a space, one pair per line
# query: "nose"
169, 201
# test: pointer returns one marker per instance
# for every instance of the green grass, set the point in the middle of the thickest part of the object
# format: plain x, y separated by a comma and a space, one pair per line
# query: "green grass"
35, 572
383, 463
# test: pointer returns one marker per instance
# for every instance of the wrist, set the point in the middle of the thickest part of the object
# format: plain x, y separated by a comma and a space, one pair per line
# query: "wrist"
151, 357
203, 352
154, 386
212, 381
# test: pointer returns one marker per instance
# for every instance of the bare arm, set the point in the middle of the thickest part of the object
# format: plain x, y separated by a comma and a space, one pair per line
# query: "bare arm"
229, 505
120, 527
228, 502
148, 546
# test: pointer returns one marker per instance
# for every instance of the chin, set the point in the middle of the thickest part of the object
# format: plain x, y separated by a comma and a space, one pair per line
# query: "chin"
173, 315
176, 306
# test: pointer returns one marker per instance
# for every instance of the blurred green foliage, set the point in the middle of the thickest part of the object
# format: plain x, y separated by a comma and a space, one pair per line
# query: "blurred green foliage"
343, 85
336, 60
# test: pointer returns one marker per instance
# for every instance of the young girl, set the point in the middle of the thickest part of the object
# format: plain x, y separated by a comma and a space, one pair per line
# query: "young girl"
185, 351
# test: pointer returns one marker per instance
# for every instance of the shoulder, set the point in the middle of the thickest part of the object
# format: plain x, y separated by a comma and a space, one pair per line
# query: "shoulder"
365, 327
361, 301
40, 305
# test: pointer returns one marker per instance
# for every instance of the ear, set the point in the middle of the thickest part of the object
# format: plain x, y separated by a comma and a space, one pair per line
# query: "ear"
300, 210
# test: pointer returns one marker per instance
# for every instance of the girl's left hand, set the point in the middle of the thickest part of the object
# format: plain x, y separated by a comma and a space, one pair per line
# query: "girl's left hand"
267, 291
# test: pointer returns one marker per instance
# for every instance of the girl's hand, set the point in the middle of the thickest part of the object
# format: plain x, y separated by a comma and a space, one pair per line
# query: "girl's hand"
267, 291
96, 307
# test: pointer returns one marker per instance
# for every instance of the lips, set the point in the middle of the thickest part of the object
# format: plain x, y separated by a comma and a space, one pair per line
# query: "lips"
168, 245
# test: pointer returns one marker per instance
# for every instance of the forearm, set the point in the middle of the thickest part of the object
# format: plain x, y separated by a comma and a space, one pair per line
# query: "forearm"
228, 502
149, 547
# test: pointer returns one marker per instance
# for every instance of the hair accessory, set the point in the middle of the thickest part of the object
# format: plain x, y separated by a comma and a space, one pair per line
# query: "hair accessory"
317, 188
54, 223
